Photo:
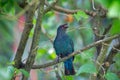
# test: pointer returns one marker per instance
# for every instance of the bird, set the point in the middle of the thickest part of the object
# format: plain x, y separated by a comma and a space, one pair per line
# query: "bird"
64, 46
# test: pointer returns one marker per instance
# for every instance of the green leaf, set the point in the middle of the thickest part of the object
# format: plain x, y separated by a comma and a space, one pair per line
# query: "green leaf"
53, 55
87, 38
31, 33
24, 72
117, 61
68, 77
17, 71
34, 21
41, 51
11, 63
111, 76
114, 10
113, 7
115, 27
11, 70
80, 14
87, 68
105, 3
9, 7
88, 54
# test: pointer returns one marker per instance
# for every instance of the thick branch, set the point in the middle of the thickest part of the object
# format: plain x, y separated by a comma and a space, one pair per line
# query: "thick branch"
75, 53
101, 60
36, 38
24, 37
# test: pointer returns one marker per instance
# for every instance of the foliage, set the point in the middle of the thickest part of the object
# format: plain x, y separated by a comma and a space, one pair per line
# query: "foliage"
113, 7
81, 30
87, 68
111, 76
113, 12
24, 72
115, 28
80, 15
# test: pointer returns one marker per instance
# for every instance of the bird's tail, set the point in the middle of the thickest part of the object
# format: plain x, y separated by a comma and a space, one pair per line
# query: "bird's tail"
69, 69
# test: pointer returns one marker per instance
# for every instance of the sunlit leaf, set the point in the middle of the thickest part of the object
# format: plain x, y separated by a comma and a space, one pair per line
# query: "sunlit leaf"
31, 33
114, 10
111, 76
41, 51
69, 77
53, 55
34, 21
49, 14
87, 68
12, 63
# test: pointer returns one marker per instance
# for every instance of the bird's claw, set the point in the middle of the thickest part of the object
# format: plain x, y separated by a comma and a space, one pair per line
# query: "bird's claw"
57, 59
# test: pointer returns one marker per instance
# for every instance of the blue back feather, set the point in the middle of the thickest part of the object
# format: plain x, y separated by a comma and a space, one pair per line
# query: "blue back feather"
64, 46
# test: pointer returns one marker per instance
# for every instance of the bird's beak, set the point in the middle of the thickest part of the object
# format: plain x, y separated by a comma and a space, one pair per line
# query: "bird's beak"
66, 26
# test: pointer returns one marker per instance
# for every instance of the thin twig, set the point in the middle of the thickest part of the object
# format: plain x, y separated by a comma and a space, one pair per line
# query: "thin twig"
47, 35
49, 7
68, 11
93, 5
112, 47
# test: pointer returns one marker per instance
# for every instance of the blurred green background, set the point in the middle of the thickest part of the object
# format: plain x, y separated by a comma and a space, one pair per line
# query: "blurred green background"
80, 30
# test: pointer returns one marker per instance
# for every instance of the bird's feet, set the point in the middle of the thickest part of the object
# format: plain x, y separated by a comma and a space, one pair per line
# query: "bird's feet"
57, 59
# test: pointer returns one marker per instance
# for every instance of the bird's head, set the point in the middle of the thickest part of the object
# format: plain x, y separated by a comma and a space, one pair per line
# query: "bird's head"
62, 28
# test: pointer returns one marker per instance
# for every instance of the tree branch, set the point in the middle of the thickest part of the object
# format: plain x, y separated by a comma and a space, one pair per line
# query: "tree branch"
109, 60
67, 11
104, 60
75, 53
106, 31
36, 38
24, 37
49, 7
47, 35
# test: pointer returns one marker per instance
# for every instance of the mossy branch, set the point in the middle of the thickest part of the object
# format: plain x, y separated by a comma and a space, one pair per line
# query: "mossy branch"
36, 38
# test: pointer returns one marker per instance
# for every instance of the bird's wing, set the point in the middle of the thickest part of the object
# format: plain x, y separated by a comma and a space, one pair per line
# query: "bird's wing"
72, 44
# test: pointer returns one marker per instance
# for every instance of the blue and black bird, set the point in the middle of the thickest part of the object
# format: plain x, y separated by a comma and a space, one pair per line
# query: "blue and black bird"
64, 46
